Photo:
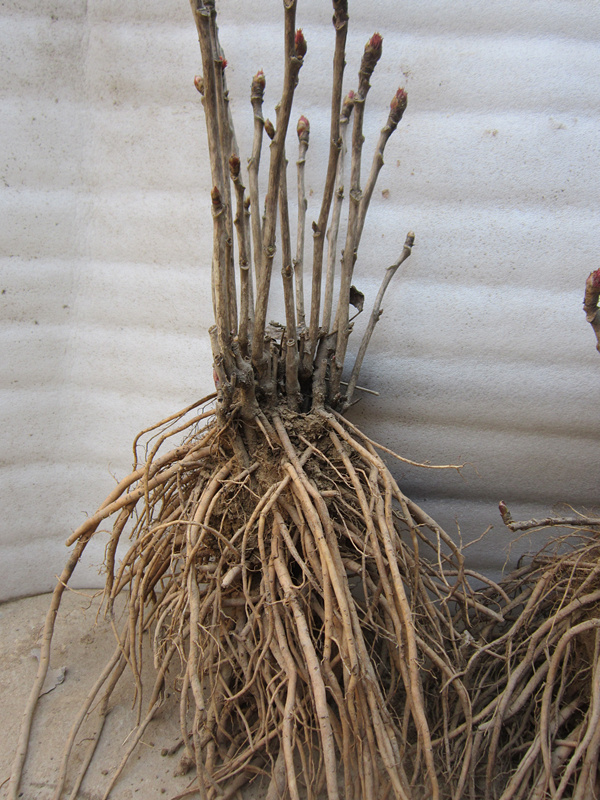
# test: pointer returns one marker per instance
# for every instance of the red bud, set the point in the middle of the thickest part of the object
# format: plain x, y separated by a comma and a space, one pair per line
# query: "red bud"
398, 106
371, 56
258, 84
594, 279
269, 129
505, 513
303, 129
215, 196
223, 62
199, 83
234, 165
348, 105
300, 44
592, 291
375, 44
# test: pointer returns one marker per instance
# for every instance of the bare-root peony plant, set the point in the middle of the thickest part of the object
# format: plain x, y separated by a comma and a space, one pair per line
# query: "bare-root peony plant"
321, 629
274, 559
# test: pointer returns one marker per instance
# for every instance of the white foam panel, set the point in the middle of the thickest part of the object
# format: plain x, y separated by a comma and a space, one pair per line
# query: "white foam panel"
482, 356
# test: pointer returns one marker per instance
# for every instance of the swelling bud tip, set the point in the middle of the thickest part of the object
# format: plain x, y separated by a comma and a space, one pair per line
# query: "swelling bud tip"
269, 129
398, 105
234, 165
300, 44
303, 129
258, 84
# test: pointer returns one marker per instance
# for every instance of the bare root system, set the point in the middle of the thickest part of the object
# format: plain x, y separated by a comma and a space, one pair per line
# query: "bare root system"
534, 677
288, 601
322, 631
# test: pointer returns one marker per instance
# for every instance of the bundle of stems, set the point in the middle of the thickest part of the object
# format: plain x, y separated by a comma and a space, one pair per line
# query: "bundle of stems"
258, 367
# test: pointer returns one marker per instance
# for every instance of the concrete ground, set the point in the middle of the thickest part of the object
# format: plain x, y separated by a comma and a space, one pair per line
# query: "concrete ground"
82, 645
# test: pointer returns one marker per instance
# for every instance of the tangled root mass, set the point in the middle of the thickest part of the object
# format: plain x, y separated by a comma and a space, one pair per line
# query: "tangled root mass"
282, 596
322, 633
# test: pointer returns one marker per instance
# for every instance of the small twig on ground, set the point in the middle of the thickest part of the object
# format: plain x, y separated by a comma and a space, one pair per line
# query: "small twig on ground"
578, 521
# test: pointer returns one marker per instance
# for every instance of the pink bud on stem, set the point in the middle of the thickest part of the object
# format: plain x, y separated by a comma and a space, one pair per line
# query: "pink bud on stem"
372, 54
375, 45
257, 89
269, 129
398, 106
303, 129
347, 106
594, 280
592, 292
199, 83
215, 196
234, 166
505, 513
300, 44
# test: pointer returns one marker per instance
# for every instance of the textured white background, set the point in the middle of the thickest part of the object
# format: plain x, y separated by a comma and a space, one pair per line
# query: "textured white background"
482, 354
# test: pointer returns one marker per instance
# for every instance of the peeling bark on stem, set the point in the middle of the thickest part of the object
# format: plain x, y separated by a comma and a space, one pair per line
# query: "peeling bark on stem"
246, 293
202, 16
256, 99
226, 150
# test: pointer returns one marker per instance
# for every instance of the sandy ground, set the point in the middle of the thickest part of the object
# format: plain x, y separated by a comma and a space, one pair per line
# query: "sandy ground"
82, 645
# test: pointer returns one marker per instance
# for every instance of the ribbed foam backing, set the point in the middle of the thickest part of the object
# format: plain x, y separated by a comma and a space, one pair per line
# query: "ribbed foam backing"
482, 355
